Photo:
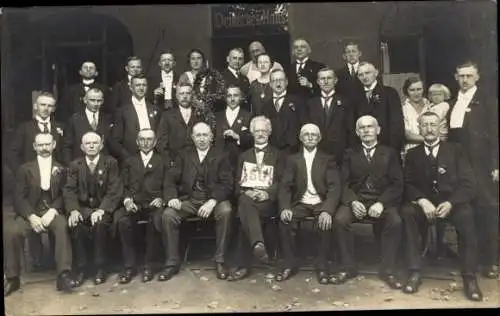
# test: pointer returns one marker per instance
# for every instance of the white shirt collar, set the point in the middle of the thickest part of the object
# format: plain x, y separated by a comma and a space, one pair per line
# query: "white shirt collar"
353, 66
371, 87
129, 77
90, 114
185, 110
44, 160
136, 102
467, 94
436, 143
202, 154
40, 120
146, 157
328, 95
233, 71
435, 147
309, 154
88, 81
95, 161
167, 74
260, 146
303, 61
235, 110
279, 96
369, 148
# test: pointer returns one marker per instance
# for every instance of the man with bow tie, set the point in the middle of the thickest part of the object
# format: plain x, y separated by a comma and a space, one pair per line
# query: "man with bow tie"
233, 77
144, 176
348, 83
91, 118
285, 111
372, 181
137, 114
333, 114
256, 196
302, 73
439, 185
474, 124
121, 91
73, 99
92, 193
164, 94
202, 186
250, 69
383, 103
38, 204
232, 125
310, 186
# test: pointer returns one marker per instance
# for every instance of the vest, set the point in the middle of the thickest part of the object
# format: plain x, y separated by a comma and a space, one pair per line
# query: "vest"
199, 187
44, 202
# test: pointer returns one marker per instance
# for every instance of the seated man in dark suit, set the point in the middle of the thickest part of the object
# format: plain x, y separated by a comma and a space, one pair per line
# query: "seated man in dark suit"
439, 184
203, 186
349, 84
164, 94
372, 188
72, 100
256, 195
310, 186
92, 193
132, 116
91, 118
39, 207
231, 128
233, 77
143, 176
121, 91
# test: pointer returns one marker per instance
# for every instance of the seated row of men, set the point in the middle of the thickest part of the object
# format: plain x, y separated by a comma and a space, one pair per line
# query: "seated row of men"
93, 199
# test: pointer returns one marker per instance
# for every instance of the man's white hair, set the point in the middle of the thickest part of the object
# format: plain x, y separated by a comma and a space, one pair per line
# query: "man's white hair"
311, 127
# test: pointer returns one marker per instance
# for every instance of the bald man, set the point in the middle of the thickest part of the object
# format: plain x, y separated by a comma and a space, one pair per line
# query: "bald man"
303, 71
383, 103
250, 69
91, 195
310, 186
204, 179
372, 181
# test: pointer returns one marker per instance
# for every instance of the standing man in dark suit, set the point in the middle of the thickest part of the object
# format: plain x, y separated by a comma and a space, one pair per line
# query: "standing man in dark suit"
233, 77
302, 73
384, 104
285, 112
348, 83
203, 186
92, 193
39, 207
144, 176
310, 186
121, 91
439, 184
91, 118
372, 181
474, 124
232, 126
175, 126
257, 195
164, 94
73, 99
137, 114
333, 114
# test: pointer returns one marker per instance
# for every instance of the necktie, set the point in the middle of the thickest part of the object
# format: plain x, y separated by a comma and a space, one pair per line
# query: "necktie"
94, 121
92, 166
277, 103
351, 70
326, 107
45, 127
431, 148
368, 95
368, 153
259, 150
300, 67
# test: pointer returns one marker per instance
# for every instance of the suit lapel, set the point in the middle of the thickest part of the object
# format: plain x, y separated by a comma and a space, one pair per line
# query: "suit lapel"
153, 163
302, 168
34, 169
152, 114
316, 168
134, 115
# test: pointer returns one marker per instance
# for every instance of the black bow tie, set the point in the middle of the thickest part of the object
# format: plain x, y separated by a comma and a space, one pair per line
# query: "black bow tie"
258, 150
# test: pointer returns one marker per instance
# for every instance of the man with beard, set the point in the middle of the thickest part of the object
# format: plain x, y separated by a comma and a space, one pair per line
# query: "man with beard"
121, 92
233, 77
73, 99
164, 94
250, 69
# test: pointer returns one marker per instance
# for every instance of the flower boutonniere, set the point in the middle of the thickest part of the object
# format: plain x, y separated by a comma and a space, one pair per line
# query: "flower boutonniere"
238, 121
376, 98
339, 102
291, 106
150, 166
56, 170
100, 172
153, 113
101, 183
467, 109
59, 131
442, 170
474, 102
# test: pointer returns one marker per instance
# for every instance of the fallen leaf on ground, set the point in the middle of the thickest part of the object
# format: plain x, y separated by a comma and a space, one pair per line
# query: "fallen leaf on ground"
276, 288
316, 290
308, 279
204, 278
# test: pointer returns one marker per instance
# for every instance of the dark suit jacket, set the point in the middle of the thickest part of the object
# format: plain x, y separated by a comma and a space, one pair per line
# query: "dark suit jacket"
242, 82
159, 100
286, 122
27, 192
479, 139
310, 71
122, 143
325, 177
78, 125
21, 147
455, 180
384, 172
109, 189
241, 126
385, 106
173, 133
337, 133
72, 100
120, 95
347, 85
272, 157
219, 176
144, 184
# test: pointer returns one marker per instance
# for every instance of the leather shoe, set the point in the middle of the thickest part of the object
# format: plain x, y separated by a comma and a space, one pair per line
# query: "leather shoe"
167, 273
100, 277
221, 271
491, 272
147, 275
391, 280
342, 277
471, 289
286, 274
322, 276
78, 278
126, 276
238, 274
64, 283
413, 283
11, 285
259, 251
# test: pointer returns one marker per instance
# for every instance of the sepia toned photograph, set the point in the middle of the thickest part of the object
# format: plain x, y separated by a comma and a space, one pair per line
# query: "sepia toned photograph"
251, 157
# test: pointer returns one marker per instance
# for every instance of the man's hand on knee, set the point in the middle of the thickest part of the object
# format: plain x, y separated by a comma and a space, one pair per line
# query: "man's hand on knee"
74, 217
286, 216
175, 204
358, 209
36, 223
96, 216
324, 221
207, 208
